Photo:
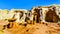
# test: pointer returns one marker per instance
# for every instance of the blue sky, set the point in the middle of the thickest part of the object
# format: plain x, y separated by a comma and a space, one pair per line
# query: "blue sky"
25, 4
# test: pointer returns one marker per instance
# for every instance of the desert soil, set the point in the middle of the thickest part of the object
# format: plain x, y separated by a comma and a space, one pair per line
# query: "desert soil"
38, 28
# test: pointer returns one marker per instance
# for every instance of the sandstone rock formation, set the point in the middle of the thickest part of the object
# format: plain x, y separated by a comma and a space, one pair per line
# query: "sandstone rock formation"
38, 20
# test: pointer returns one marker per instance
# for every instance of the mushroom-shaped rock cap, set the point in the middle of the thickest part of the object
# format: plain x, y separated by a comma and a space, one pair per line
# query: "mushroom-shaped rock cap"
19, 10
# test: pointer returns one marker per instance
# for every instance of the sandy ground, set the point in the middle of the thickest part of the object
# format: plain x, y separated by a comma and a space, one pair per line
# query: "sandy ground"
38, 28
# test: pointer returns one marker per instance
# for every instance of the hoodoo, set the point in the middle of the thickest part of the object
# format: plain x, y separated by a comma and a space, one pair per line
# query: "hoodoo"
37, 14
